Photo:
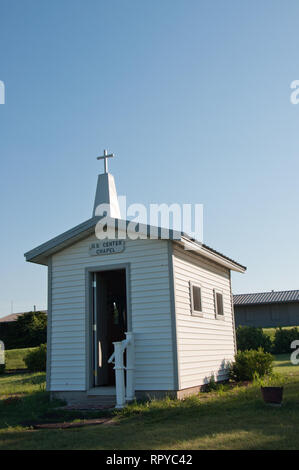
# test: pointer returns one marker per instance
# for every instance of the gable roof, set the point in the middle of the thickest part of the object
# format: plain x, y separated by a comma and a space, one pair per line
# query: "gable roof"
41, 253
11, 317
267, 297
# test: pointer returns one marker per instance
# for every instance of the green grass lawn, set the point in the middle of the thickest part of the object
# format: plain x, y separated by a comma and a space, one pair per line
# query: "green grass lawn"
15, 358
283, 365
232, 419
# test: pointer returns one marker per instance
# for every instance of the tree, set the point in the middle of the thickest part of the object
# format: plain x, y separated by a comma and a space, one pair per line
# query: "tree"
31, 328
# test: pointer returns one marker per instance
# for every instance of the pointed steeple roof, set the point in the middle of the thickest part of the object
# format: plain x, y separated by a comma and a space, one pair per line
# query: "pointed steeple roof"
106, 192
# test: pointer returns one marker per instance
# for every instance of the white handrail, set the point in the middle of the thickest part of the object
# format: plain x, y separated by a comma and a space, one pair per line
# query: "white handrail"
117, 358
110, 360
130, 367
124, 344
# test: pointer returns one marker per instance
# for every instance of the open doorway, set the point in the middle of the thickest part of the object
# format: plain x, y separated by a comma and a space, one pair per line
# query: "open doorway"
110, 318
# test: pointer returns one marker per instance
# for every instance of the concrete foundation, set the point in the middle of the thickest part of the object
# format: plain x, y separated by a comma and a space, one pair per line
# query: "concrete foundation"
106, 396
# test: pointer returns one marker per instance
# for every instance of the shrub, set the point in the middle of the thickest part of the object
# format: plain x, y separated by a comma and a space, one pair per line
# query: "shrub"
211, 385
249, 364
272, 380
36, 360
32, 328
283, 339
2, 369
249, 337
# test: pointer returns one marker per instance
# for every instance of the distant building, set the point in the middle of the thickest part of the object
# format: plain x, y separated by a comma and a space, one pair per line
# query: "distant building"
14, 316
267, 309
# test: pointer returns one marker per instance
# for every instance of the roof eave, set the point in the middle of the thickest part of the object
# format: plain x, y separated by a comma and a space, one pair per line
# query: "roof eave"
207, 252
40, 254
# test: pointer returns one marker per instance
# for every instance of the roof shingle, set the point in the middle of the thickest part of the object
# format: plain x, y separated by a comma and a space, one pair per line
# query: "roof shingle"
267, 297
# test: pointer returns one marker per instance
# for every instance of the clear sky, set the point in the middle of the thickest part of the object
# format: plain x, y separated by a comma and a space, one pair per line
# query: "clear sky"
192, 96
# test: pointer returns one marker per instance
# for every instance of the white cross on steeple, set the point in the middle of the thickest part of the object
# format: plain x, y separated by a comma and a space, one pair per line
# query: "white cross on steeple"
105, 158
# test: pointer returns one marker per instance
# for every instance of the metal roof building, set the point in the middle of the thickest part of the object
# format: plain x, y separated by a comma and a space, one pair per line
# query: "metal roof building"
267, 309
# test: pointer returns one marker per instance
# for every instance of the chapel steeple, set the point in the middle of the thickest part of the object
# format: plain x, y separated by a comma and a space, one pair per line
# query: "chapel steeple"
106, 190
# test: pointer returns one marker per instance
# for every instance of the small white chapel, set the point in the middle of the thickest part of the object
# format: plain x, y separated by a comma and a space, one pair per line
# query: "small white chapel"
134, 318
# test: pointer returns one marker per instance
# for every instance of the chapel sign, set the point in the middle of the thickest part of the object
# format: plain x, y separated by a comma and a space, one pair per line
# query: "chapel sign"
106, 247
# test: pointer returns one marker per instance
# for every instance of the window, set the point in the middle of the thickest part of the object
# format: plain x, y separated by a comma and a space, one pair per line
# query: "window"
196, 306
219, 304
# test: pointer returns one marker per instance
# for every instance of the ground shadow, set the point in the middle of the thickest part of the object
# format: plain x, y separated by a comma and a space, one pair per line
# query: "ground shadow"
237, 419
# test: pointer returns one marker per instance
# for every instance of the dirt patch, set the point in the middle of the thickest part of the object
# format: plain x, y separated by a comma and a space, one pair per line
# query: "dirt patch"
12, 399
16, 371
76, 424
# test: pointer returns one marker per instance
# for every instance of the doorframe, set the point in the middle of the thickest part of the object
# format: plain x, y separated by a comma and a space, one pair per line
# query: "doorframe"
89, 310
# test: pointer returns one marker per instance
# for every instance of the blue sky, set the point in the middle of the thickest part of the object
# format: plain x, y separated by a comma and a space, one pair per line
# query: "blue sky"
192, 96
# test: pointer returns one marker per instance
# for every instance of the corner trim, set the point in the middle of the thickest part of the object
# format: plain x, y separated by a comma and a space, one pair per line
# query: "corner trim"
175, 352
233, 312
49, 326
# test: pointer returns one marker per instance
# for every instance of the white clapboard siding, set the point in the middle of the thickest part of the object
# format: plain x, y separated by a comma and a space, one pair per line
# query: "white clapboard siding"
151, 313
205, 344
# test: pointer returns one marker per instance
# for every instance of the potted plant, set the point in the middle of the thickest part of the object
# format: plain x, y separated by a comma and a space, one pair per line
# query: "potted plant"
272, 389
